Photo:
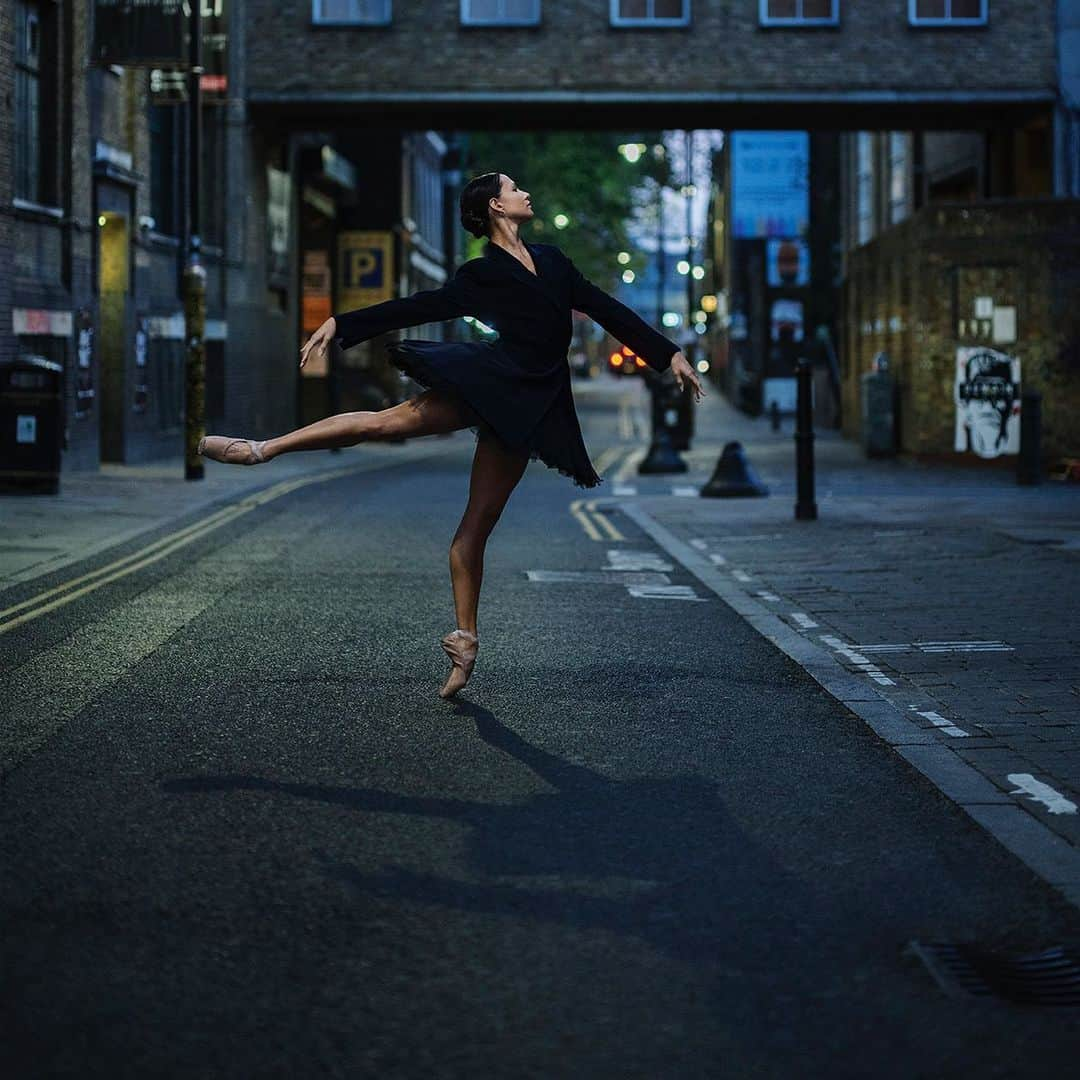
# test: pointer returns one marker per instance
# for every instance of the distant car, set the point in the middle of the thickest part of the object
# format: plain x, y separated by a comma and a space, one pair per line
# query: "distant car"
625, 362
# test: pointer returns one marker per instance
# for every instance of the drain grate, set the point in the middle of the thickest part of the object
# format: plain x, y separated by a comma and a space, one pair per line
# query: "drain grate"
1048, 978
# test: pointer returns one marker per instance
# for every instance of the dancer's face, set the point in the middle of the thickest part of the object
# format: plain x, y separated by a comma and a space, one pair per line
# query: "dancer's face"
514, 202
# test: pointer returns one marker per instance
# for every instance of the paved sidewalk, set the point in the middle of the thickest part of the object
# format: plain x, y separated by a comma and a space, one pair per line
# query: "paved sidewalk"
950, 593
95, 511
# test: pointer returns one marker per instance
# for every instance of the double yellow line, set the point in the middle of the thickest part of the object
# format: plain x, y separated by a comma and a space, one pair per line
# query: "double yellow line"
584, 510
71, 590
581, 509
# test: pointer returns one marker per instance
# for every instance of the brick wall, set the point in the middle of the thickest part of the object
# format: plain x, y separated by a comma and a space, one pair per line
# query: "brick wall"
911, 293
575, 49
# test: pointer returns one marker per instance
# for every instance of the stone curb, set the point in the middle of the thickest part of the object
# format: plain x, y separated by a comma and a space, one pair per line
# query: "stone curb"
1049, 856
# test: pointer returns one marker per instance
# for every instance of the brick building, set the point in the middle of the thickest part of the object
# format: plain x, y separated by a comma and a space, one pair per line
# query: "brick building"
92, 168
89, 192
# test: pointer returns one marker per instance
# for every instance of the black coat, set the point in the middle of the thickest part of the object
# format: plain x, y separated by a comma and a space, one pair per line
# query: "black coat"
518, 386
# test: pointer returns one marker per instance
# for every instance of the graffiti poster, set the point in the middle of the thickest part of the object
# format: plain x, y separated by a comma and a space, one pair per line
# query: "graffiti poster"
987, 397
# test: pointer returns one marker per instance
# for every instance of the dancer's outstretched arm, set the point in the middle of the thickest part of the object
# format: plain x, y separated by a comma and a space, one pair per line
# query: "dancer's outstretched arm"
627, 326
451, 301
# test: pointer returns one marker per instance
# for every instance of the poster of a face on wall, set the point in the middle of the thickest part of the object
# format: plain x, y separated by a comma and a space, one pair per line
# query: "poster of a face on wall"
987, 396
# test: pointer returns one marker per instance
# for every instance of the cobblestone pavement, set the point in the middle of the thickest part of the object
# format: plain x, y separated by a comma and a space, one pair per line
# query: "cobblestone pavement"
949, 592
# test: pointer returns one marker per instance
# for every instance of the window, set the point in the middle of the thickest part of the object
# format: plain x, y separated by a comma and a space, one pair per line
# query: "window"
500, 12
351, 12
650, 12
864, 187
947, 12
800, 12
899, 182
33, 98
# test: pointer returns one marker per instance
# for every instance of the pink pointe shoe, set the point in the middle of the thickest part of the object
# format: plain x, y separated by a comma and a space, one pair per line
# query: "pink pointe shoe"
231, 451
461, 647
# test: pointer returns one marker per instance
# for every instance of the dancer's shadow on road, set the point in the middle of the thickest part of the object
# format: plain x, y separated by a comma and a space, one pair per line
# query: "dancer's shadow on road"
657, 858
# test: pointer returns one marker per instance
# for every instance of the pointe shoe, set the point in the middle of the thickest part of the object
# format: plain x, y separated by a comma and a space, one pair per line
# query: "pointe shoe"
461, 647
218, 447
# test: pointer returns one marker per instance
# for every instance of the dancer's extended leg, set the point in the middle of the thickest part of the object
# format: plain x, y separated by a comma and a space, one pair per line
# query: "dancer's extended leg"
433, 412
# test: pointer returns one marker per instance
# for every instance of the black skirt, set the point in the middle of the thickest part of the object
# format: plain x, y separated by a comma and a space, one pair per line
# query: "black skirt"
530, 412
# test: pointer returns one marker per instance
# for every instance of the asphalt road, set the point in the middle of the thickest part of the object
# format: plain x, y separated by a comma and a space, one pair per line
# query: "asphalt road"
641, 843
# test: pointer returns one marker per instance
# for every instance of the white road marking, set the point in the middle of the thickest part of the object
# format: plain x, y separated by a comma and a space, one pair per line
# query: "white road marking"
945, 725
685, 491
700, 544
867, 667
717, 559
596, 577
664, 592
622, 559
624, 489
741, 575
939, 647
736, 539
804, 621
772, 598
1054, 801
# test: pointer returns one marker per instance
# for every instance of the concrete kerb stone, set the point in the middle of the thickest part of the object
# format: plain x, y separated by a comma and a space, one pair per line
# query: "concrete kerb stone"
1052, 858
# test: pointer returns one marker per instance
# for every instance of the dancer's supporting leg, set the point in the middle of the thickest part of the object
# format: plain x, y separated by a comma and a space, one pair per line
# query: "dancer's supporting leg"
433, 412
495, 473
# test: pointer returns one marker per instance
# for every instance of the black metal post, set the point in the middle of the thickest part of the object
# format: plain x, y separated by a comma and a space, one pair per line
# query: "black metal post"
1029, 463
194, 287
805, 506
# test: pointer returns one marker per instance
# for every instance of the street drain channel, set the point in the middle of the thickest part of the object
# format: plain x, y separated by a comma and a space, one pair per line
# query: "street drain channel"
1049, 979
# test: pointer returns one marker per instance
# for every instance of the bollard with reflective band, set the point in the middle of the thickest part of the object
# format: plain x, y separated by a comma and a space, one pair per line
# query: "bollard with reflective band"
805, 506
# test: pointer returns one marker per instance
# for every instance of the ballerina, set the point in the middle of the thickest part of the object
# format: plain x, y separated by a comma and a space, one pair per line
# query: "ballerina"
514, 393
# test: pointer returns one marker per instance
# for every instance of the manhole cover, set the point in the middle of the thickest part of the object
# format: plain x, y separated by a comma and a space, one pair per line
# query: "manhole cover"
1047, 978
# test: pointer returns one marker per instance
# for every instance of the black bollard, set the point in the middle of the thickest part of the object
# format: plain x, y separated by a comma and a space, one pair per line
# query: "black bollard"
805, 506
1029, 463
774, 415
733, 475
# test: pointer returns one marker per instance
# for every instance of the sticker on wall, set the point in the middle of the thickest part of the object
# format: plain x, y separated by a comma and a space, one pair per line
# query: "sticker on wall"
987, 398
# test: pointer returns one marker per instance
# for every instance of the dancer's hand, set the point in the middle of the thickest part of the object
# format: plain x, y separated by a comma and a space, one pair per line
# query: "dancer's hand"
681, 368
319, 341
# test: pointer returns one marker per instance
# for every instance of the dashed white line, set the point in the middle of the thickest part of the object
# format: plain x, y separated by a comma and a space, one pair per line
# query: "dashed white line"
685, 492
624, 489
717, 559
944, 725
701, 545
769, 597
804, 621
741, 575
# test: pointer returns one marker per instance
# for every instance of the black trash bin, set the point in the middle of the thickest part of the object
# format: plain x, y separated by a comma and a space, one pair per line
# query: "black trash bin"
31, 425
673, 411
